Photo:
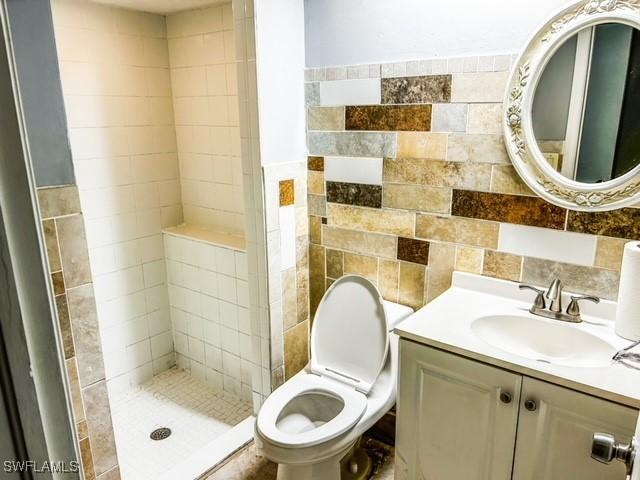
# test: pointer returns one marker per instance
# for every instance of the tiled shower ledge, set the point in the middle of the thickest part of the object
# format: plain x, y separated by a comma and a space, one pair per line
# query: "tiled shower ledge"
208, 235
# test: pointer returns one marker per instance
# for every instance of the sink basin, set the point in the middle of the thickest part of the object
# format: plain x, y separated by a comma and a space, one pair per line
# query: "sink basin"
544, 341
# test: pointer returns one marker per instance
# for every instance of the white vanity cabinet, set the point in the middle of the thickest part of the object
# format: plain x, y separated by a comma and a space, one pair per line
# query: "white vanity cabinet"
463, 419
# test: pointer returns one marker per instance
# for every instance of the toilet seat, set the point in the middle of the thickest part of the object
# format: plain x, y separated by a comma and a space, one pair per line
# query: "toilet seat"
354, 405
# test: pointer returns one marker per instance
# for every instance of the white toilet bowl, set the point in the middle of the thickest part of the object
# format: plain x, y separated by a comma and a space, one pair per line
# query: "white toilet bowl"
309, 423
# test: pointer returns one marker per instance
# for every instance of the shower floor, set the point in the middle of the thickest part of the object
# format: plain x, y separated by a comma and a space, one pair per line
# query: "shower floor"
196, 413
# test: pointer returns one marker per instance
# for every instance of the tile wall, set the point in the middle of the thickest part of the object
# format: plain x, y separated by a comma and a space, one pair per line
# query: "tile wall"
409, 180
117, 91
68, 260
202, 56
209, 300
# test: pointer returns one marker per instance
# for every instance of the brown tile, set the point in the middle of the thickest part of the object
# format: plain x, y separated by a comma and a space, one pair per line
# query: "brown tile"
355, 194
96, 403
289, 298
51, 241
480, 148
316, 277
421, 198
389, 118
412, 250
57, 280
437, 173
411, 285
442, 259
76, 396
469, 259
422, 89
302, 284
315, 163
505, 179
73, 251
622, 223
315, 183
287, 196
576, 278
324, 220
502, 265
87, 459
335, 262
296, 349
422, 145
277, 377
609, 252
65, 326
476, 233
371, 220
388, 273
86, 336
362, 265
315, 229
325, 118
81, 427
58, 201
317, 205
499, 207
374, 244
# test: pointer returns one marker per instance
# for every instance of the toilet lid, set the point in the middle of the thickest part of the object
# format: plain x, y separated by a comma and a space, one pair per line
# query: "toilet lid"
349, 336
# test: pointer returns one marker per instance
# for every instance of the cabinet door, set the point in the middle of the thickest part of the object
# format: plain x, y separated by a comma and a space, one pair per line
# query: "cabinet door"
555, 434
452, 424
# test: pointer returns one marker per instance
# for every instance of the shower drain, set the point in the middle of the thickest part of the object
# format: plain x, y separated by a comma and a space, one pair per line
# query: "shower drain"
160, 433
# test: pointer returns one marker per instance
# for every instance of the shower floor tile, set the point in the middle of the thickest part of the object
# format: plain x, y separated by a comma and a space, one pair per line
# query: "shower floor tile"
195, 412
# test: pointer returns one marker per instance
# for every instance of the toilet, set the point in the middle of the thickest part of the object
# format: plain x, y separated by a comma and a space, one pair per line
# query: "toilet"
311, 424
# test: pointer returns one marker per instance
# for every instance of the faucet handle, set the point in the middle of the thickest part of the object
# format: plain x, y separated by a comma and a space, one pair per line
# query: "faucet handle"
574, 308
539, 301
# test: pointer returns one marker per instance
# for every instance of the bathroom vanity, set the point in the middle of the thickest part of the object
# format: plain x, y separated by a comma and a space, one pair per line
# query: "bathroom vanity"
489, 391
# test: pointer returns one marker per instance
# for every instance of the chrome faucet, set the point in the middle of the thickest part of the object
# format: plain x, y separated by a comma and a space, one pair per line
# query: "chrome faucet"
554, 296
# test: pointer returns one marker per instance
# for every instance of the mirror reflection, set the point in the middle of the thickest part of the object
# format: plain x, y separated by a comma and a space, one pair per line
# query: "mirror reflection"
586, 108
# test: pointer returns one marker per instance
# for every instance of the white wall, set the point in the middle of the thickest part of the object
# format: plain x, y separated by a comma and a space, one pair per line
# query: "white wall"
349, 32
114, 66
280, 72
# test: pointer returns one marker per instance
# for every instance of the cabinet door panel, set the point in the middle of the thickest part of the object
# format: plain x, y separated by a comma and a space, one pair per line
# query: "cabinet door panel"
452, 424
554, 441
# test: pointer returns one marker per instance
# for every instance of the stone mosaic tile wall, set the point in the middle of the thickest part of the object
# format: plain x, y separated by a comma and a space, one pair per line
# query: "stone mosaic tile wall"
449, 198
68, 258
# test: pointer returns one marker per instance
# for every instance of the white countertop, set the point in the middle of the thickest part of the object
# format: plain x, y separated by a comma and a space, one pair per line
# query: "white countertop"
445, 323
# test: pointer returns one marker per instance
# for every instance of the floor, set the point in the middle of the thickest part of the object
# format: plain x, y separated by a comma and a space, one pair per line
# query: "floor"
249, 465
196, 413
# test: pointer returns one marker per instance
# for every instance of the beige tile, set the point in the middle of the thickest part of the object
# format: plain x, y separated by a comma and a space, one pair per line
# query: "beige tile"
360, 242
81, 427
442, 258
388, 279
296, 349
325, 118
469, 259
51, 241
481, 148
289, 298
505, 179
467, 231
317, 205
74, 388
315, 182
58, 201
478, 87
73, 250
422, 145
485, 118
96, 404
361, 265
315, 229
370, 220
422, 198
609, 252
113, 474
411, 285
502, 265
62, 309
87, 459
86, 335
335, 263
316, 276
437, 173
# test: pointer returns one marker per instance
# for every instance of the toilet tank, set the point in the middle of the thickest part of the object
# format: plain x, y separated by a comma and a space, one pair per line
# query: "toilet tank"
395, 313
